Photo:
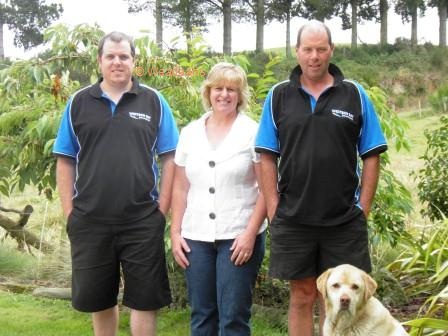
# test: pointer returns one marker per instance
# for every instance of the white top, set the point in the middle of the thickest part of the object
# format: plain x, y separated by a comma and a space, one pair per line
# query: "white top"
223, 187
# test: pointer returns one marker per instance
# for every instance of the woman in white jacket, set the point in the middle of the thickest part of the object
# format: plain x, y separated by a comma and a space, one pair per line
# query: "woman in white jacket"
218, 211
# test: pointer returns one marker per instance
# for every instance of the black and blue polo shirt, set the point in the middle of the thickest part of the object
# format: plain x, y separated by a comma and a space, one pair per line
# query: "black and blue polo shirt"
319, 143
115, 147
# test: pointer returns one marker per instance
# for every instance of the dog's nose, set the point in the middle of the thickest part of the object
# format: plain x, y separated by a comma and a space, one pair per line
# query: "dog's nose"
345, 301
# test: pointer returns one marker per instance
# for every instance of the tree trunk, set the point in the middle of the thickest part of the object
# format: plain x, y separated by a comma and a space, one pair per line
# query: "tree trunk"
188, 28
384, 7
2, 50
53, 293
259, 47
22, 235
159, 24
354, 5
443, 9
414, 28
227, 26
288, 34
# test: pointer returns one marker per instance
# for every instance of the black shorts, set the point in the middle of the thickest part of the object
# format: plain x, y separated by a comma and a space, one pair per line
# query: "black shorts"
302, 251
98, 250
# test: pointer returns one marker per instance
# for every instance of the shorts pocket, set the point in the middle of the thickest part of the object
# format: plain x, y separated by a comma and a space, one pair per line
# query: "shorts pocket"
163, 218
68, 222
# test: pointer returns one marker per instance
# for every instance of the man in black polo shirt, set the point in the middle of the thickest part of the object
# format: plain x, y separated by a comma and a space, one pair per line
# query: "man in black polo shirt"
317, 125
110, 137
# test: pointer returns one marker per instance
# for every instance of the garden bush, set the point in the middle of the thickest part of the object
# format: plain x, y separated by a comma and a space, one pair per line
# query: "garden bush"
433, 178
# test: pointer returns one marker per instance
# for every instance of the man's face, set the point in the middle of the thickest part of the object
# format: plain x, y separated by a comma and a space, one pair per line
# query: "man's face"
314, 54
116, 63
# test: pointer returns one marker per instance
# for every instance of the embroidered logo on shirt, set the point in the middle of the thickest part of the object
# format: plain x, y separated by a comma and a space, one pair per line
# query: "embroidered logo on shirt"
140, 116
342, 114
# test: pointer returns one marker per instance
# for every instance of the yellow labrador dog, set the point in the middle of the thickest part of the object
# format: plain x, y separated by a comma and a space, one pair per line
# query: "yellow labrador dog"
350, 308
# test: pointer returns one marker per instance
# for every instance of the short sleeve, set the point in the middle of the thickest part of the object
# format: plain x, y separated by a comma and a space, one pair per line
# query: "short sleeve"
371, 140
180, 158
267, 135
168, 134
66, 143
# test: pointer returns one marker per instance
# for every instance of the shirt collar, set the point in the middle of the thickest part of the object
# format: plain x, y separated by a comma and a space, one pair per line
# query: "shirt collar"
95, 89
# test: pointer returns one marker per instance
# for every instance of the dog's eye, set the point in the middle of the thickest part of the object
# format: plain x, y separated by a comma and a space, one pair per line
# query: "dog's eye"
355, 287
335, 285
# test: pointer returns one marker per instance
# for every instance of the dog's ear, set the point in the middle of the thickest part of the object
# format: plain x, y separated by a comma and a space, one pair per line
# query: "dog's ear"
371, 286
321, 282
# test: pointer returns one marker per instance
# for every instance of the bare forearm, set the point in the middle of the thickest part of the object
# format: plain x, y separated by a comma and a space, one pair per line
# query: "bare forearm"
65, 179
269, 178
369, 182
179, 199
179, 246
166, 182
259, 213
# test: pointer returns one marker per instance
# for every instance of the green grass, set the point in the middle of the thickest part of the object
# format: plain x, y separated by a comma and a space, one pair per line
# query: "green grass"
405, 164
13, 263
26, 315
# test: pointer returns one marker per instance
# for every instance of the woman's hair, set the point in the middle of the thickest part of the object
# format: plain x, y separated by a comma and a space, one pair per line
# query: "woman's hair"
225, 73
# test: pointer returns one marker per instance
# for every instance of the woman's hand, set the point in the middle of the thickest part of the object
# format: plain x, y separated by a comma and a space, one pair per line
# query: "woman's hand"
243, 247
179, 247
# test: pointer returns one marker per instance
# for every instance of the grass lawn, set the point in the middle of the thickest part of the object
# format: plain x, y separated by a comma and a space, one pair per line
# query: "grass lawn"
405, 164
26, 315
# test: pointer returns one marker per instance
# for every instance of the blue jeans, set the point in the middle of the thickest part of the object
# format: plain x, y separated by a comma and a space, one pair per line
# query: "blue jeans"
220, 293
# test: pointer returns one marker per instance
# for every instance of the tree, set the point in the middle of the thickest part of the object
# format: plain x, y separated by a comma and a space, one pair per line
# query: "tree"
186, 14
27, 19
282, 11
255, 11
319, 10
408, 10
223, 8
359, 10
442, 8
136, 6
259, 45
384, 8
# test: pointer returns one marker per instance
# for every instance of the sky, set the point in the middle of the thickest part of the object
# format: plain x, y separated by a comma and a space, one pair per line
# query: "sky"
113, 15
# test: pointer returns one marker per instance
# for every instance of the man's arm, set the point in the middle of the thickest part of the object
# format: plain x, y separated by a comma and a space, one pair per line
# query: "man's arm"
269, 179
179, 246
166, 182
369, 182
65, 180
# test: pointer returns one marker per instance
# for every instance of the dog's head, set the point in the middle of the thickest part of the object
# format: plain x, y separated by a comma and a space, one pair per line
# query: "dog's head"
345, 289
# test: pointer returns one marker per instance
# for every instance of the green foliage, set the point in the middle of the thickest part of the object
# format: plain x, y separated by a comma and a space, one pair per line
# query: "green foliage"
418, 326
13, 263
392, 200
29, 114
439, 99
73, 50
433, 178
423, 267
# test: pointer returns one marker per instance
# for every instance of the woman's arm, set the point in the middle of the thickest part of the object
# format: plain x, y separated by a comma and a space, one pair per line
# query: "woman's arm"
178, 205
243, 245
